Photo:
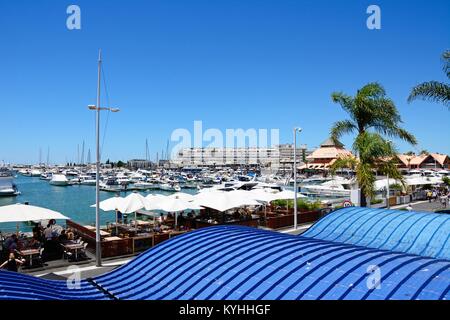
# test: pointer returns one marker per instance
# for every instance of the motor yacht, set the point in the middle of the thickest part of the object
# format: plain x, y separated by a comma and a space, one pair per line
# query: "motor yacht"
7, 186
59, 180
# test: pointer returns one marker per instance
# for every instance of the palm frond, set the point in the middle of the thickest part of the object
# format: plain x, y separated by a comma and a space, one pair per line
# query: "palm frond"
345, 101
446, 60
341, 127
431, 91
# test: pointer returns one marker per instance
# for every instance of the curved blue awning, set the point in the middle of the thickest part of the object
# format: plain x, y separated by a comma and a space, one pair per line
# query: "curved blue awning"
333, 260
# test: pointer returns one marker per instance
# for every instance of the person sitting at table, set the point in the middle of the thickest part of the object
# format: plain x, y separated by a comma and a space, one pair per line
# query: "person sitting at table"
12, 243
37, 232
157, 228
70, 234
161, 217
12, 264
34, 243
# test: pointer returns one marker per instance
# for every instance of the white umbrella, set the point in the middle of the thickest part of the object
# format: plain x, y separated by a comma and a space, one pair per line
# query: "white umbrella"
170, 204
182, 195
110, 204
287, 195
223, 201
132, 203
152, 200
23, 212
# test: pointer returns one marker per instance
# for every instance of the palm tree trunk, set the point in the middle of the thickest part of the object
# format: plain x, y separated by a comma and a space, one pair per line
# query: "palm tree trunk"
362, 198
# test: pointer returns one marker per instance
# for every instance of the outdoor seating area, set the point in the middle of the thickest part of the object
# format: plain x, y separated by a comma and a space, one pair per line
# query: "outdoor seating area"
47, 241
141, 223
44, 244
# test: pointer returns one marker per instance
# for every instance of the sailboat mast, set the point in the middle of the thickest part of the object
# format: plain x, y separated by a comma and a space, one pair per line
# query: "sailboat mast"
97, 176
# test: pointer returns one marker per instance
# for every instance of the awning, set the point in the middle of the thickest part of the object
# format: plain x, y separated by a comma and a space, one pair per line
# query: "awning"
23, 212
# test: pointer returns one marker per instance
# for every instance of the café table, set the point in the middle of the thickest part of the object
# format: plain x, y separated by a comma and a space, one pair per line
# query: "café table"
102, 233
73, 246
28, 254
112, 238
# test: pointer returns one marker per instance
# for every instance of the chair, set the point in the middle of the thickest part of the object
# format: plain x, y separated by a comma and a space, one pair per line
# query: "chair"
82, 253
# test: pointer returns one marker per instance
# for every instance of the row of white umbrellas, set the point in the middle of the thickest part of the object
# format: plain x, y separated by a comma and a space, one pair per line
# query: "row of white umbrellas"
217, 200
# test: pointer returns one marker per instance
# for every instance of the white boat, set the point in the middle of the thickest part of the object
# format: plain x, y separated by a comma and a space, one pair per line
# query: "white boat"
338, 187
46, 176
144, 185
7, 186
111, 185
87, 180
59, 180
35, 173
170, 187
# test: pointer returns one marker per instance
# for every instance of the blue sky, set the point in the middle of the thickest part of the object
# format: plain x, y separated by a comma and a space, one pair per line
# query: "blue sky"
232, 64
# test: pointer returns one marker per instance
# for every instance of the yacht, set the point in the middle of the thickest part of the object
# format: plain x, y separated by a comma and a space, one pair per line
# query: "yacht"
337, 187
170, 186
110, 184
7, 185
35, 173
59, 180
46, 176
87, 180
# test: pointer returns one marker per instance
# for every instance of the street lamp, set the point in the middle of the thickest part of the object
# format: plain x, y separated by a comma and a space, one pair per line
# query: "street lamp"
295, 176
97, 108
388, 206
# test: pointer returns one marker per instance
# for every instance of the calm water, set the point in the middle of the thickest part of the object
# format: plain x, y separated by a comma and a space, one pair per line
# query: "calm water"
72, 201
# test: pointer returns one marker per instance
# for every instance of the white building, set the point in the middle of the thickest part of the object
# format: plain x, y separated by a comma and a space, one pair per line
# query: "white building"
278, 156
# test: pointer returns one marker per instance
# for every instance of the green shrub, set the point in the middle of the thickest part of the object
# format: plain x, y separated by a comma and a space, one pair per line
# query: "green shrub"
302, 205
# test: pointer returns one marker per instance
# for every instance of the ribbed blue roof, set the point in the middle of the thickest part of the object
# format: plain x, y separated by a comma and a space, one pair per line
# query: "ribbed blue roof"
232, 262
421, 233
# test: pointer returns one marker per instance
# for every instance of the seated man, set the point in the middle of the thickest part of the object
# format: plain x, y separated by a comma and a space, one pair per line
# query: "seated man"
63, 237
11, 244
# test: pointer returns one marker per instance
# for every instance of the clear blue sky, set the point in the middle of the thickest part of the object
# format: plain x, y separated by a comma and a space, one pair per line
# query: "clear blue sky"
232, 64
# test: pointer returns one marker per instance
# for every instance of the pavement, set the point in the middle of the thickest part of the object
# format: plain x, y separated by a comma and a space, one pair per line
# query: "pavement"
85, 271
423, 205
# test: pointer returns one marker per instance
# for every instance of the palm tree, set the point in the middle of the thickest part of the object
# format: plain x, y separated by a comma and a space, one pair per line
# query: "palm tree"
375, 154
433, 90
369, 109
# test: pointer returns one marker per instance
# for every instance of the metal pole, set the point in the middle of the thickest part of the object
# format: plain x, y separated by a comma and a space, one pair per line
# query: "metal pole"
295, 178
98, 247
388, 192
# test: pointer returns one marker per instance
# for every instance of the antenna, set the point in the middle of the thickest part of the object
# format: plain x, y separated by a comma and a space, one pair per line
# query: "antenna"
167, 150
82, 154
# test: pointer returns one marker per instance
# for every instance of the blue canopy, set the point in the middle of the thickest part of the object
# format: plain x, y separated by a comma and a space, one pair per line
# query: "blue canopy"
335, 259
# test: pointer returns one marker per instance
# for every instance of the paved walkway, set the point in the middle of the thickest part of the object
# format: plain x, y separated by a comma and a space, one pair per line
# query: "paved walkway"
423, 205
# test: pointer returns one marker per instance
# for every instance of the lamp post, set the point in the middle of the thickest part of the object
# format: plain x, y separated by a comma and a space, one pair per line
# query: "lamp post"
97, 108
388, 205
295, 176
